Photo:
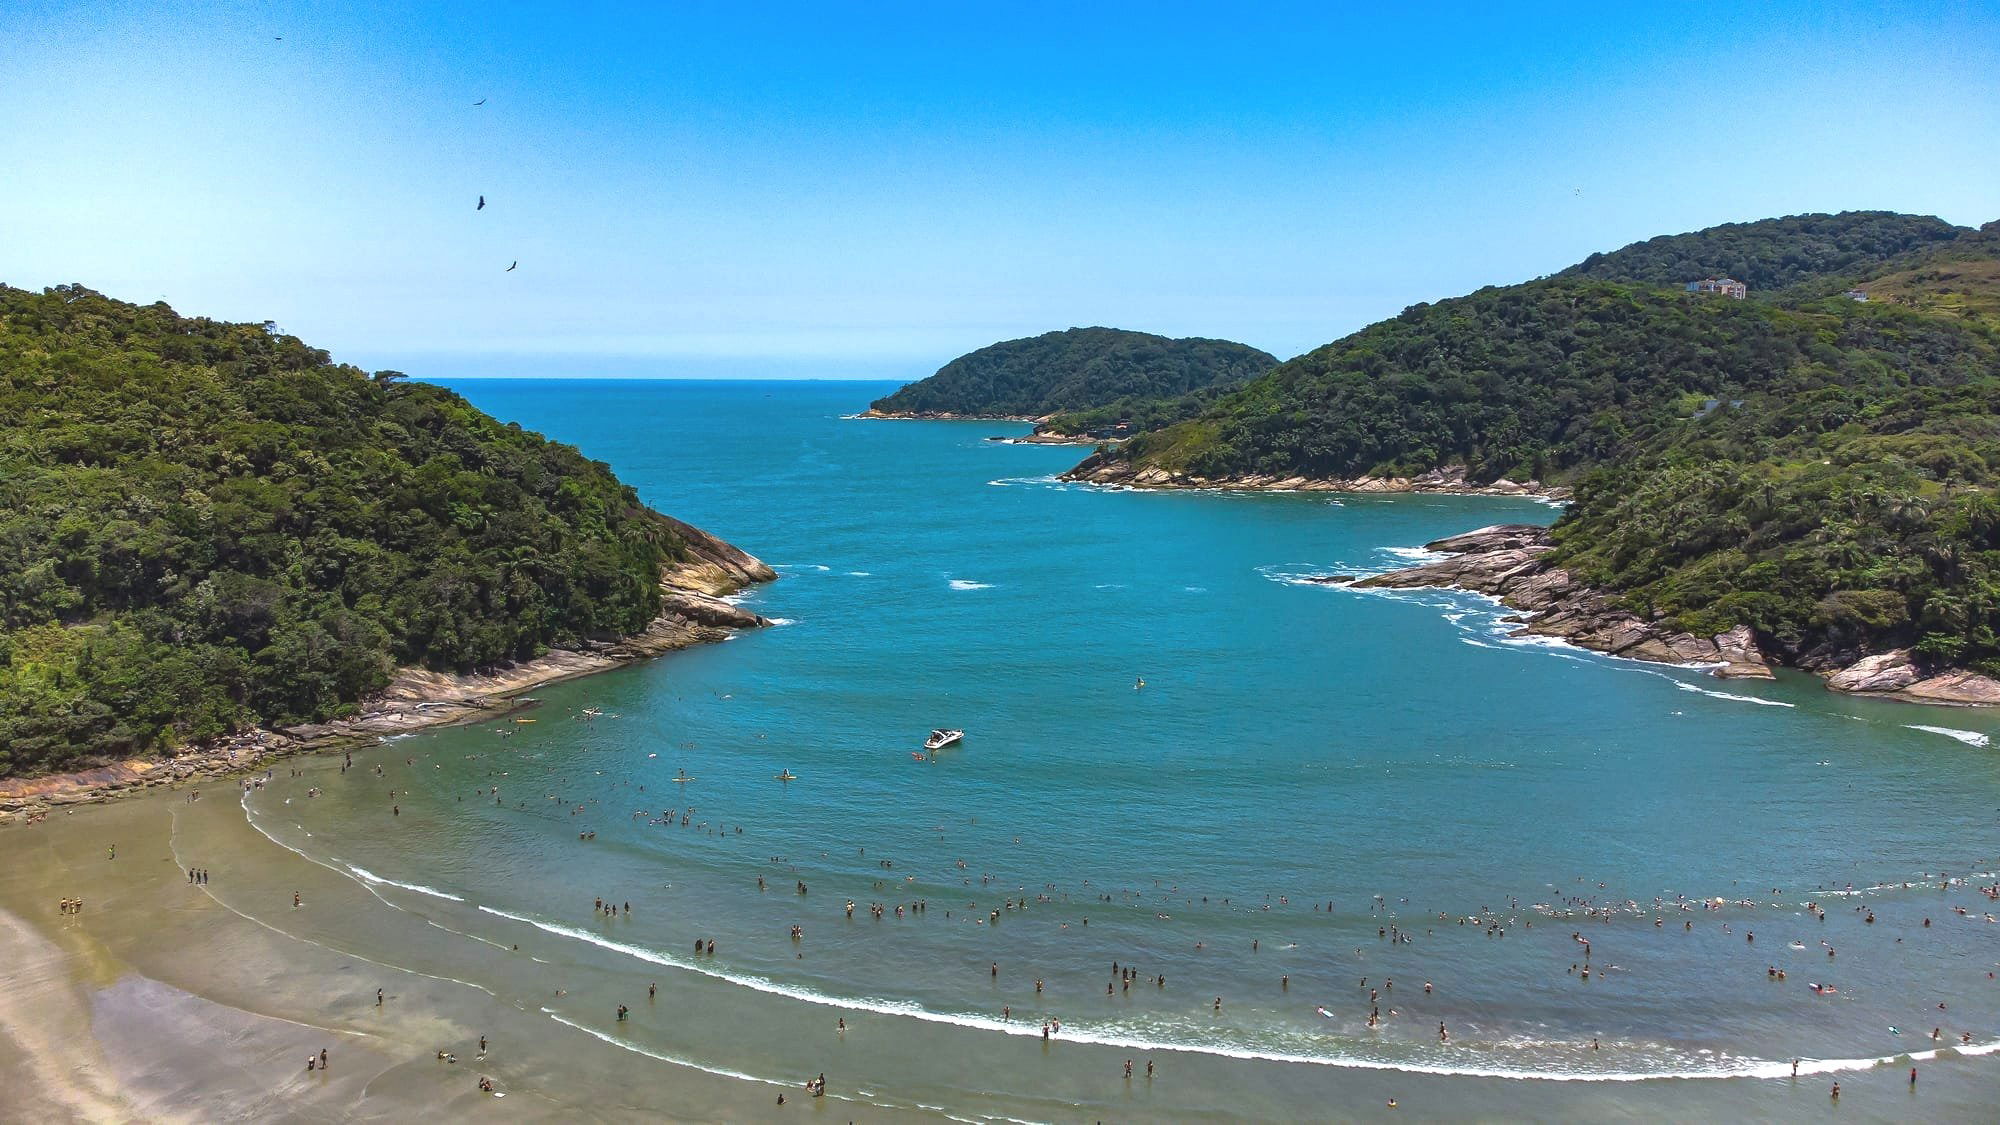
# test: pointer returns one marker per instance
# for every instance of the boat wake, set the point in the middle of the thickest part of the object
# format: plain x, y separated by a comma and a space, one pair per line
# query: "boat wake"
1969, 737
968, 584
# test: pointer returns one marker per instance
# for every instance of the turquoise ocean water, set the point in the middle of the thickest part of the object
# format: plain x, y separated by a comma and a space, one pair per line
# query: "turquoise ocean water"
1492, 803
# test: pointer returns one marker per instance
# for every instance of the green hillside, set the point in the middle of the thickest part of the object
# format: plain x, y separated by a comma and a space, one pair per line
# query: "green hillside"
207, 525
1816, 467
1075, 369
1772, 253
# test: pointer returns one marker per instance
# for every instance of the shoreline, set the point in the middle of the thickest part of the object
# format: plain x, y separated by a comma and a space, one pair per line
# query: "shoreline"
1039, 438
1450, 480
1507, 562
874, 415
692, 612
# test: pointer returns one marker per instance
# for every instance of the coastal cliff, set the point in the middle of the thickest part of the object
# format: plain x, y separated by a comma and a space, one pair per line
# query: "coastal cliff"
1511, 562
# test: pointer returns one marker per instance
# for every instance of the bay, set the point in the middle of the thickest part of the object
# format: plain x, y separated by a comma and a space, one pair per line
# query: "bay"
1394, 756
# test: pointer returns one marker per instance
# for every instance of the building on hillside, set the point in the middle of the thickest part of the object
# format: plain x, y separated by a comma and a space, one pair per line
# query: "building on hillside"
1727, 286
1856, 294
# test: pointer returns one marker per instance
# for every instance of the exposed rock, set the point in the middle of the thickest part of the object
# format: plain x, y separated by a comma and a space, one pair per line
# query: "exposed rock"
1507, 561
1103, 468
1898, 675
1884, 672
1050, 437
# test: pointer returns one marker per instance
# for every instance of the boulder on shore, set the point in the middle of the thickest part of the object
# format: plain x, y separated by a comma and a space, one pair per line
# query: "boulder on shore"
1898, 675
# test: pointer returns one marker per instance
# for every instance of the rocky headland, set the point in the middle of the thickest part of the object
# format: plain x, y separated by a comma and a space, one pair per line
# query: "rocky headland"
1510, 562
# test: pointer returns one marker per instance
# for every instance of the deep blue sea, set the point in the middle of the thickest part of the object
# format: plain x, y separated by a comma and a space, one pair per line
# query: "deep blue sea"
1317, 792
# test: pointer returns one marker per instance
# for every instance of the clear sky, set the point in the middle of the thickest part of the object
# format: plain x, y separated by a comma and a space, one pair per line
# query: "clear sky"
868, 189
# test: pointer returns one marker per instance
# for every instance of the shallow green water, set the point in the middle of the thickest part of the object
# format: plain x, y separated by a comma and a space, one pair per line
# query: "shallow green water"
1394, 755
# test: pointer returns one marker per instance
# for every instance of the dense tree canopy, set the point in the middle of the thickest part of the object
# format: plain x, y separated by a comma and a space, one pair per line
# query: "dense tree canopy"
1819, 468
1076, 369
1771, 253
206, 525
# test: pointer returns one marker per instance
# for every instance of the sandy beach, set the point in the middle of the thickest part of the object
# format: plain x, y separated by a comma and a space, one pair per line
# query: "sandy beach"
162, 1000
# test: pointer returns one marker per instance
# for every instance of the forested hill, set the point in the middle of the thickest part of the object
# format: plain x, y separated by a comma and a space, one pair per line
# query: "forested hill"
1075, 369
1819, 468
1771, 254
206, 525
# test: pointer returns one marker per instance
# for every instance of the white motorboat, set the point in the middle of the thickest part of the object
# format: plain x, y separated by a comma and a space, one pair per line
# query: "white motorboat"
941, 738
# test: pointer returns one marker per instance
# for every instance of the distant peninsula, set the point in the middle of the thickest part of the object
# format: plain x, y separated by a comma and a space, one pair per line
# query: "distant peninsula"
211, 532
1077, 369
1778, 439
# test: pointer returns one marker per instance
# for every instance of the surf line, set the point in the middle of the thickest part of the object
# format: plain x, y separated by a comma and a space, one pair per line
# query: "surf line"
1757, 1069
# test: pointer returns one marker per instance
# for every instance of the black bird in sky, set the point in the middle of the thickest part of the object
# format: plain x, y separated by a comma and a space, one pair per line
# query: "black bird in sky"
510, 267
481, 101
482, 204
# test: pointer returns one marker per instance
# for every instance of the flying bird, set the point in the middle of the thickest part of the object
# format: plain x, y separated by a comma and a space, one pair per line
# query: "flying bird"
510, 267
481, 101
482, 204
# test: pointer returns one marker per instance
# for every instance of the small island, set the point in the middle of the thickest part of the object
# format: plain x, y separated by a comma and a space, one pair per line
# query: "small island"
1103, 370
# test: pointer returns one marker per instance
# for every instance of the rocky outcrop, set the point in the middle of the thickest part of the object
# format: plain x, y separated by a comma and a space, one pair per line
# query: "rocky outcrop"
1508, 562
691, 612
1050, 437
1112, 470
1898, 675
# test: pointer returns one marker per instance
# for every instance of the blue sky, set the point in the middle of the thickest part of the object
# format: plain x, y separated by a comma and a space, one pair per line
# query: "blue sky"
867, 190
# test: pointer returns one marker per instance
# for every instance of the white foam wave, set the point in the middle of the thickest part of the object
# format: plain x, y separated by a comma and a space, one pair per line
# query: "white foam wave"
719, 1071
368, 876
859, 574
800, 566
1713, 694
1126, 1040
1051, 480
968, 584
1413, 554
1969, 737
784, 620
